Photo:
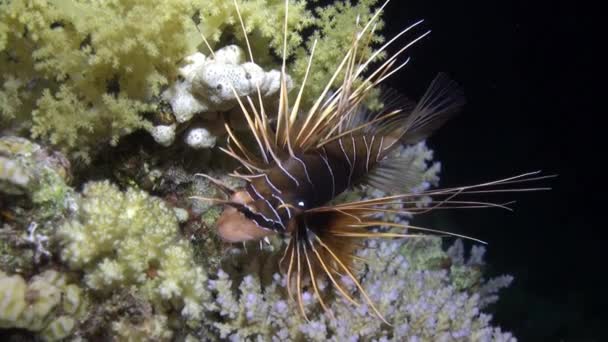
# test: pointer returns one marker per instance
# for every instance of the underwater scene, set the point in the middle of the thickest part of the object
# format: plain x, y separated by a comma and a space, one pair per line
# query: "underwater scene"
211, 170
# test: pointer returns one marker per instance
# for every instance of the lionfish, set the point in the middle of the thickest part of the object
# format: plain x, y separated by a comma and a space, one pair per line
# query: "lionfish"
302, 162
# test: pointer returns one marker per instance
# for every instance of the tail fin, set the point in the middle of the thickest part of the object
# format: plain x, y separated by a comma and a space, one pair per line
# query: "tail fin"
443, 99
402, 119
409, 124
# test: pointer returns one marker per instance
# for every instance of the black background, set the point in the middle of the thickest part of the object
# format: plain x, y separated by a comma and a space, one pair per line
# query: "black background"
529, 74
527, 71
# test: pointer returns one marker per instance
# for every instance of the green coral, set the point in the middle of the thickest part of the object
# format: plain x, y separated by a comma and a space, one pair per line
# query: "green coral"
335, 27
123, 239
264, 23
89, 68
42, 174
81, 74
47, 304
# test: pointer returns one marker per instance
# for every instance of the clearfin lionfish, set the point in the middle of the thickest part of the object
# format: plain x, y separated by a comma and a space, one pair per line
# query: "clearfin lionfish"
302, 160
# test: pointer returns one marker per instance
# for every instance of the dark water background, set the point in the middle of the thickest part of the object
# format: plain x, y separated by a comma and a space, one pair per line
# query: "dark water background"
528, 77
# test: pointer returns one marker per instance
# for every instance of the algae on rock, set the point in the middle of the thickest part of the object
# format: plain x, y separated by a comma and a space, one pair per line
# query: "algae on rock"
34, 180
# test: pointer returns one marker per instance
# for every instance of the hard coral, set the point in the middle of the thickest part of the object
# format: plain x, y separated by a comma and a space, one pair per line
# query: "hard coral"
121, 239
420, 303
46, 304
83, 74
424, 292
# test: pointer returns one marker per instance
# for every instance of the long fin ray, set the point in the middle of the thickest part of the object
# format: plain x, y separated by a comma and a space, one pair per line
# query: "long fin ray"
354, 279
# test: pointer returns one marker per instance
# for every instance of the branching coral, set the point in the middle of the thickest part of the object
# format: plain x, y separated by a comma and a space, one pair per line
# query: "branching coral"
129, 238
421, 303
425, 293
129, 242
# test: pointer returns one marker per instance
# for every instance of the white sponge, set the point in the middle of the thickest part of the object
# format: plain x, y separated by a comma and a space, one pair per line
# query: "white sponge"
208, 83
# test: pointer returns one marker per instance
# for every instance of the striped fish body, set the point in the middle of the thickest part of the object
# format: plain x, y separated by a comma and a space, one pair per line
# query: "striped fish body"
304, 159
311, 179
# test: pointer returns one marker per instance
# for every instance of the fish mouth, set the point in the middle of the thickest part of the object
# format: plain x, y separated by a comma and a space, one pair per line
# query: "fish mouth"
233, 226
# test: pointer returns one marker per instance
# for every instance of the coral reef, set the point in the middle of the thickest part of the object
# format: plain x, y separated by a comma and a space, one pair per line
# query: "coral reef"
85, 70
36, 178
422, 300
208, 82
146, 281
101, 235
46, 304
128, 238
82, 73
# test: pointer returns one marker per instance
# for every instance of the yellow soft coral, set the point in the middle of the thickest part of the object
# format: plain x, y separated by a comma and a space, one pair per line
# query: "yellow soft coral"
335, 29
264, 22
83, 73
65, 120
92, 66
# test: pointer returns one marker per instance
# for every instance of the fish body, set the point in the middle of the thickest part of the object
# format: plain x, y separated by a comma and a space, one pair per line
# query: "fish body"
312, 179
300, 164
